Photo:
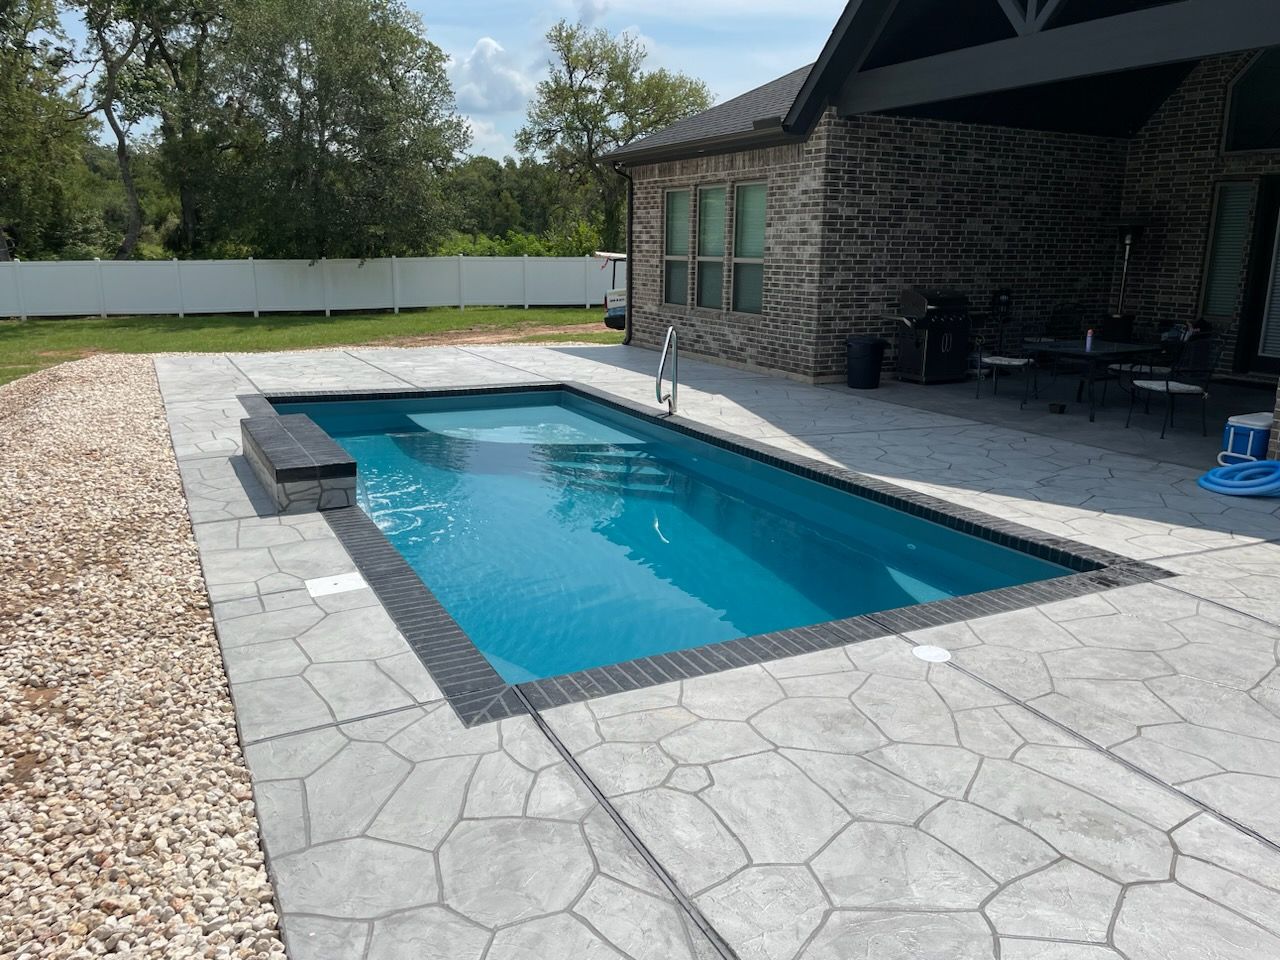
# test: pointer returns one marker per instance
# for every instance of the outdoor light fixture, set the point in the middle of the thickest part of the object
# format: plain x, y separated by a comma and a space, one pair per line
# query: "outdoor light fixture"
1130, 233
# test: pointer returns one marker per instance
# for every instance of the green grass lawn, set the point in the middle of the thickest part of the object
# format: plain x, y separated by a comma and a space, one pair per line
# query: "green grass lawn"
30, 345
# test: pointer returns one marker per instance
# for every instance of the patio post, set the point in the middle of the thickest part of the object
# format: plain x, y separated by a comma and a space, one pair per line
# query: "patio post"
253, 266
395, 284
17, 287
182, 300
324, 284
102, 288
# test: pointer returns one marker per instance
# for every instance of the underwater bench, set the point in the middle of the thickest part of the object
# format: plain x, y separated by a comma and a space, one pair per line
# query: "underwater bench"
298, 463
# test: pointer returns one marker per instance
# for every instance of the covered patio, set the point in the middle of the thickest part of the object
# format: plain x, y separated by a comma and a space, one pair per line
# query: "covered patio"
1082, 164
1164, 120
1183, 443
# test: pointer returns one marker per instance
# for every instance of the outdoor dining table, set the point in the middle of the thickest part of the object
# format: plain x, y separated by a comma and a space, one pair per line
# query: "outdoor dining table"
1100, 354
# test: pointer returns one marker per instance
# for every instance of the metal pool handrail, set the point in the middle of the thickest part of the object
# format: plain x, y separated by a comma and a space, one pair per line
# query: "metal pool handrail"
672, 345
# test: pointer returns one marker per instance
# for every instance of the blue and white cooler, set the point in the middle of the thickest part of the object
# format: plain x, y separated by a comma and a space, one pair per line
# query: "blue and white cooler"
1245, 438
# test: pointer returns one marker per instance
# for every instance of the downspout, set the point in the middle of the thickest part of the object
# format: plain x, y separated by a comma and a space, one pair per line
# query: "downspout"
631, 206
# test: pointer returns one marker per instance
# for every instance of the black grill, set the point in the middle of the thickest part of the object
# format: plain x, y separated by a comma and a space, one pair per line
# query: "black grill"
933, 335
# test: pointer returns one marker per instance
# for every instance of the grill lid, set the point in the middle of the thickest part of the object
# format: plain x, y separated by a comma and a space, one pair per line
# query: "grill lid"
919, 302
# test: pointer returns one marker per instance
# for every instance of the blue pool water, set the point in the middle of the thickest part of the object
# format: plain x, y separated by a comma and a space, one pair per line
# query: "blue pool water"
561, 534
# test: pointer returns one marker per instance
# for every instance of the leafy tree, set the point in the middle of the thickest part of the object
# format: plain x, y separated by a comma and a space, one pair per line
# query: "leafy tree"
598, 97
571, 240
527, 195
116, 31
313, 128
61, 192
484, 199
42, 173
348, 122
176, 81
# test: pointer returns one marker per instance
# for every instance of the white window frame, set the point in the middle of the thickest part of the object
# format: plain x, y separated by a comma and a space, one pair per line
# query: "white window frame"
724, 258
732, 248
688, 257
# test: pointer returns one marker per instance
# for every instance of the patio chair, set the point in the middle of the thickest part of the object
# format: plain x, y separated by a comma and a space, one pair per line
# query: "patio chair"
1188, 376
1152, 367
1020, 355
1066, 322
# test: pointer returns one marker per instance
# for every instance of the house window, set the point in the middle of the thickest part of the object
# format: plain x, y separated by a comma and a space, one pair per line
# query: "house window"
675, 275
748, 248
1255, 105
710, 278
1227, 243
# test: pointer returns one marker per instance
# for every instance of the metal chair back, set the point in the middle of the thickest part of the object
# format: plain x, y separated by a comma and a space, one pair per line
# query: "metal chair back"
1019, 337
1196, 361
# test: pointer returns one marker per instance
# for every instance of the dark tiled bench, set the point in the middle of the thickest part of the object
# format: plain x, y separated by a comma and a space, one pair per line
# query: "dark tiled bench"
298, 463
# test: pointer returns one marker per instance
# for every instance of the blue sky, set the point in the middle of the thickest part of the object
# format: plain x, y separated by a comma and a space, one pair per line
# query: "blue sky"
497, 51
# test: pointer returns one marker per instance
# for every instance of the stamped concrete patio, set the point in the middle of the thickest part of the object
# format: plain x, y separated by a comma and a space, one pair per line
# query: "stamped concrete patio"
1087, 780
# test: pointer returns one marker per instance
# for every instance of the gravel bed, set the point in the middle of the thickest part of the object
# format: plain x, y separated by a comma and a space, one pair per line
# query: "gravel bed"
126, 814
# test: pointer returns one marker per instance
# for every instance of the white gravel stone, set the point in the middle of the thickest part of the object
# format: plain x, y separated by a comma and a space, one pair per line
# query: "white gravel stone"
126, 815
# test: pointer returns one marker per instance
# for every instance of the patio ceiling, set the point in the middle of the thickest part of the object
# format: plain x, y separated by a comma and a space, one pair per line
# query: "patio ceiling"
1078, 66
1075, 65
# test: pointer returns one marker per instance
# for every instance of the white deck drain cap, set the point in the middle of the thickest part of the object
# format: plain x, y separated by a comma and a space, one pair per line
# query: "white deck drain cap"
323, 586
932, 654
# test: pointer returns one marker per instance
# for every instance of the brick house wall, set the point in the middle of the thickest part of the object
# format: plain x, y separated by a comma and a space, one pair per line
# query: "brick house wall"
1275, 431
966, 206
867, 206
1174, 166
782, 337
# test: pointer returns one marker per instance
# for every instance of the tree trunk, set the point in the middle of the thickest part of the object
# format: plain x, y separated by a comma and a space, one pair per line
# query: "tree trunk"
112, 60
134, 228
187, 203
4, 246
176, 151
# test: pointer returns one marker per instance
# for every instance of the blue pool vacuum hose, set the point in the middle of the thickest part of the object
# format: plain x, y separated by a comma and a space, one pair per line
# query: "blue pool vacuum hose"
1260, 478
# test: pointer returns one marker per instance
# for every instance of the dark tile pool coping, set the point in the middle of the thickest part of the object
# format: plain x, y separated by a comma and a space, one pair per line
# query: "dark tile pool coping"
479, 695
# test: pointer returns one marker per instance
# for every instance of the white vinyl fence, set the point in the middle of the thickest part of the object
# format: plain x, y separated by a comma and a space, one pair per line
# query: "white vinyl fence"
72, 288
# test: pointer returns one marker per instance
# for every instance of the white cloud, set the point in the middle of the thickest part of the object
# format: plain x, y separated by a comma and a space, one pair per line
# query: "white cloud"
590, 11
712, 12
487, 139
489, 79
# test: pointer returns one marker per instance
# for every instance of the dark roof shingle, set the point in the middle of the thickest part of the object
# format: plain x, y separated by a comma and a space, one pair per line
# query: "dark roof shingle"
736, 116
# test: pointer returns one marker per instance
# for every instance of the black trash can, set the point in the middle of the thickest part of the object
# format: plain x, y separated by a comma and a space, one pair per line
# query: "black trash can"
864, 355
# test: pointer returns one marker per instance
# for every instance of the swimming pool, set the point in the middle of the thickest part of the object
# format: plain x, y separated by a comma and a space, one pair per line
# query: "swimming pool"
563, 534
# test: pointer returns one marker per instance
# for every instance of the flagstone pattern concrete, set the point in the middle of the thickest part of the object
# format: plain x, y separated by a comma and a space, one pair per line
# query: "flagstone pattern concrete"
864, 803
405, 835
1052, 794
1185, 689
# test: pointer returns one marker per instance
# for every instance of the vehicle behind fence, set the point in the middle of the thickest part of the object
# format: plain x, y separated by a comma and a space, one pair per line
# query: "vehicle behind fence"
54, 288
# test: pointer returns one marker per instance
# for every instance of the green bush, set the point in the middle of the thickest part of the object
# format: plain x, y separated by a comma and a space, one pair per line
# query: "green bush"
574, 240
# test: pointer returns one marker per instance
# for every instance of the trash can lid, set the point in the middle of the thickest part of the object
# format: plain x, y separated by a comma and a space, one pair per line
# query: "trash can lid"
1259, 421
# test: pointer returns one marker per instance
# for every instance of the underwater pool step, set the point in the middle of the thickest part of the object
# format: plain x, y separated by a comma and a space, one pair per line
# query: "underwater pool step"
663, 494
644, 476
591, 456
